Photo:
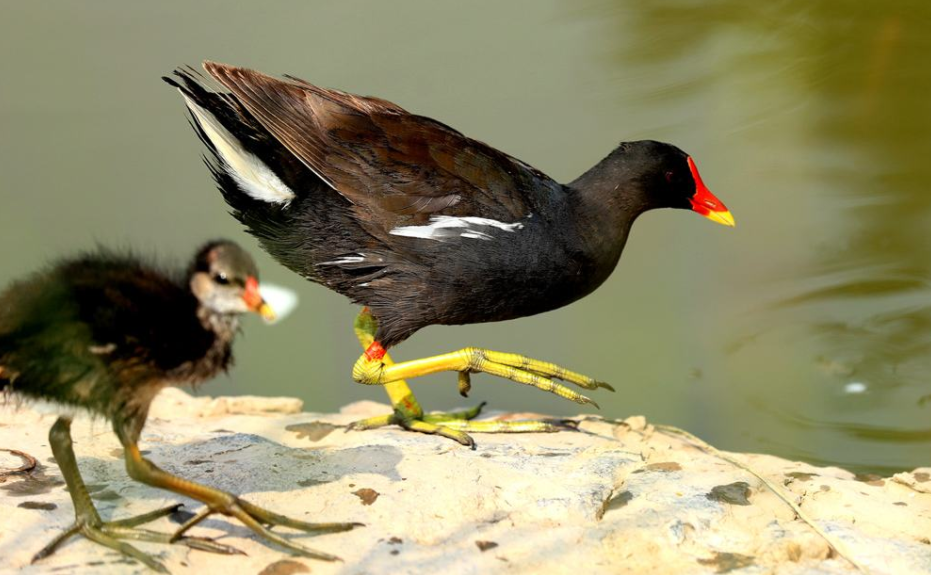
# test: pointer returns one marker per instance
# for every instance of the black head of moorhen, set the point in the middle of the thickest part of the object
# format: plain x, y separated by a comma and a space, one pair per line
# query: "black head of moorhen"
422, 224
105, 332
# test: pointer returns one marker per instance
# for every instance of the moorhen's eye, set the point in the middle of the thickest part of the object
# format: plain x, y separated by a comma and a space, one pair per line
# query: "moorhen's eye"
669, 176
221, 279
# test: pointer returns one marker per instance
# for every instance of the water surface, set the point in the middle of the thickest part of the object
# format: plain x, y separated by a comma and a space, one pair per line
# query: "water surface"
809, 119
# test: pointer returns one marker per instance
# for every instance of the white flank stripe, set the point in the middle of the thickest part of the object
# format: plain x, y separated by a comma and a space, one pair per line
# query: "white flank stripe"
344, 260
442, 227
476, 236
252, 175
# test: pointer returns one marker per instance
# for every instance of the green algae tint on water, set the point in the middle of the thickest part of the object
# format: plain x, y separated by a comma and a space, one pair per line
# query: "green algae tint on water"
803, 332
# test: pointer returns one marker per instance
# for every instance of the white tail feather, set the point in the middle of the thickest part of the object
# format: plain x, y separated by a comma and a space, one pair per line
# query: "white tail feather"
253, 176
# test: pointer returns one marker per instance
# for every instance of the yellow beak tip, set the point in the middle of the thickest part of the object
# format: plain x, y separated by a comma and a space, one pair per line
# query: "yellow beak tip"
267, 313
724, 218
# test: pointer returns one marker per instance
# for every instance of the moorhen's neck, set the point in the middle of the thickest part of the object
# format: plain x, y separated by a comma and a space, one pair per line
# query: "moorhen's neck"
614, 186
606, 200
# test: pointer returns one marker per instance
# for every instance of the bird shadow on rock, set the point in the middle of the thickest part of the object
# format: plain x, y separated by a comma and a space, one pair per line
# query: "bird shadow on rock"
246, 465
242, 463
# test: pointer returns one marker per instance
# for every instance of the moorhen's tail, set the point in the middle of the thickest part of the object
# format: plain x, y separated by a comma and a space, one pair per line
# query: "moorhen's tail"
297, 217
256, 175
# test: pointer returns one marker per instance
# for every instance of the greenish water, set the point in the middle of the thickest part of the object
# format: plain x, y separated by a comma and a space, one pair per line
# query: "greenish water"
811, 120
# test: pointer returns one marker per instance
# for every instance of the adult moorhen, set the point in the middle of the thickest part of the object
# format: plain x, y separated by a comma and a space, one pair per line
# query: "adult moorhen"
423, 225
106, 332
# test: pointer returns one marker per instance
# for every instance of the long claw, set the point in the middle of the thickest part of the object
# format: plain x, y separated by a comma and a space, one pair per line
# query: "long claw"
258, 529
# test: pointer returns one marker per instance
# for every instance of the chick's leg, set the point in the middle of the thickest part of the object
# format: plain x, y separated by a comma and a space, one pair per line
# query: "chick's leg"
88, 524
217, 501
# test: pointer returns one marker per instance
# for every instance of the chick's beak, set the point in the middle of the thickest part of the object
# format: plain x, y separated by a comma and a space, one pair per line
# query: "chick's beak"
254, 300
705, 203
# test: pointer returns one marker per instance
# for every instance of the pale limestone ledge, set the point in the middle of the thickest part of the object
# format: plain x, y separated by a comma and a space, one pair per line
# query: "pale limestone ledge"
614, 498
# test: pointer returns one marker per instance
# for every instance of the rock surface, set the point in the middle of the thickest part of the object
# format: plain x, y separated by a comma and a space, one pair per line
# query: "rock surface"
615, 497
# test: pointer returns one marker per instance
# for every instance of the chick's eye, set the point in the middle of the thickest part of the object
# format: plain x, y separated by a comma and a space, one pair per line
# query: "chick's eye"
221, 279
669, 176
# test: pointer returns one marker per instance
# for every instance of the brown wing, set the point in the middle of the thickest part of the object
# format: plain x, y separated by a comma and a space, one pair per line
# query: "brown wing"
381, 157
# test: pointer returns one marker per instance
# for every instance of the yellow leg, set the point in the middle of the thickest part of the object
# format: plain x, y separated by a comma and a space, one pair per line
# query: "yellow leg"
401, 396
252, 516
375, 367
88, 524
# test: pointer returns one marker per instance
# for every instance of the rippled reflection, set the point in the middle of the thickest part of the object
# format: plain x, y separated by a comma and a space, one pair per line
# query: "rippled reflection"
832, 100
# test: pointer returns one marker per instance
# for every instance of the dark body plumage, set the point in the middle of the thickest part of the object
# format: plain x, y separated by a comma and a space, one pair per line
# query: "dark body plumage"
364, 178
106, 331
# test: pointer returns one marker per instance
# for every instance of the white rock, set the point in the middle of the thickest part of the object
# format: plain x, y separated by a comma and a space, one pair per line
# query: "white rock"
613, 498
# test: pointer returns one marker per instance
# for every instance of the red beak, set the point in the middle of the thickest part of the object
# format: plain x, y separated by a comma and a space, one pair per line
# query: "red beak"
254, 300
705, 203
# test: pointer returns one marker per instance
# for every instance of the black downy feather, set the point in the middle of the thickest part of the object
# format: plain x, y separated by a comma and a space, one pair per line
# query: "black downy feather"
105, 331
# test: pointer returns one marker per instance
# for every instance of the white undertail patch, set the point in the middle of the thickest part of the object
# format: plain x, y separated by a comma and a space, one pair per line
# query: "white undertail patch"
254, 177
444, 227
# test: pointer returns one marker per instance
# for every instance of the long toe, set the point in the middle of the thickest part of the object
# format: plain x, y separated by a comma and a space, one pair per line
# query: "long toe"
496, 426
457, 425
255, 518
209, 545
271, 518
430, 428
264, 533
199, 543
146, 517
372, 423
534, 380
99, 536
111, 535
544, 369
